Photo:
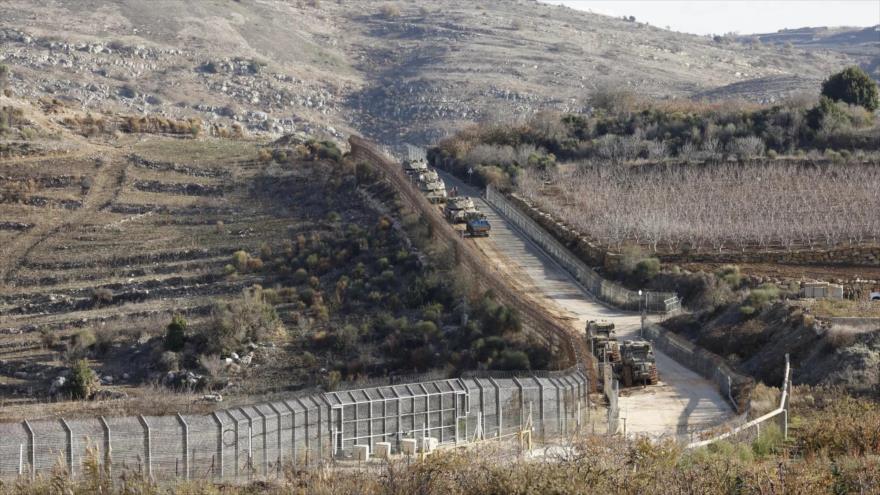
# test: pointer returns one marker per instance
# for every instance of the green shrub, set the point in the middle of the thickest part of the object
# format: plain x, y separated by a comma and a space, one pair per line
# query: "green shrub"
769, 441
854, 86
762, 296
731, 275
240, 260
83, 381
175, 334
647, 269
300, 276
512, 360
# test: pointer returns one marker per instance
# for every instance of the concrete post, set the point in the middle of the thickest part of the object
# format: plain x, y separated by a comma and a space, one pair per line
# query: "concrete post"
69, 454
219, 444
540, 405
185, 445
32, 449
148, 450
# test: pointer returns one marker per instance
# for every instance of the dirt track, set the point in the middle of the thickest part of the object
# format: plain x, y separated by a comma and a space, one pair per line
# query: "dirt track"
683, 400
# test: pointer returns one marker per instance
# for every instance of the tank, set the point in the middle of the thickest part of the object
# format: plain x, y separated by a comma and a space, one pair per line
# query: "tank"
639, 366
415, 167
459, 208
603, 341
432, 186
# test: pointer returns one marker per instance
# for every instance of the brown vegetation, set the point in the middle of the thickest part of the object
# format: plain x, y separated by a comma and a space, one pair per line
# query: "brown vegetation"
721, 207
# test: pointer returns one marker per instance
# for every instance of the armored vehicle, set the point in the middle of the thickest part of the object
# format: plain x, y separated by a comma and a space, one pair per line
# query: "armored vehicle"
458, 208
432, 186
477, 225
415, 167
603, 342
638, 365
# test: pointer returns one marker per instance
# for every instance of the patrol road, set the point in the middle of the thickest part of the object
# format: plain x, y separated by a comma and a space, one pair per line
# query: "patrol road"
683, 401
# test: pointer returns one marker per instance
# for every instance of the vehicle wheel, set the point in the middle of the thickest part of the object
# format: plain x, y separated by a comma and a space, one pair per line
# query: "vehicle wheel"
627, 376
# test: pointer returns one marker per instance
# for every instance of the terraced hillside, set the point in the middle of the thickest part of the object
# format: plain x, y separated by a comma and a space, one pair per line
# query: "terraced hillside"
117, 240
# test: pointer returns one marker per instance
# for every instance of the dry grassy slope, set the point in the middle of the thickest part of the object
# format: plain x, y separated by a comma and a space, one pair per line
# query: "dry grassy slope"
413, 76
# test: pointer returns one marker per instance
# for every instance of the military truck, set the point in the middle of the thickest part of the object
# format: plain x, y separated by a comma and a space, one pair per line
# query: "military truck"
415, 167
458, 208
432, 186
638, 365
477, 225
603, 341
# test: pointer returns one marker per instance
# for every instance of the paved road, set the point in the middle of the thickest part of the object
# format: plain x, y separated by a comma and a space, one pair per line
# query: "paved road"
683, 400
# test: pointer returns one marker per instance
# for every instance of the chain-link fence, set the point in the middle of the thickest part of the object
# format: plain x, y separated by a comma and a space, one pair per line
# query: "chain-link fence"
259, 441
607, 291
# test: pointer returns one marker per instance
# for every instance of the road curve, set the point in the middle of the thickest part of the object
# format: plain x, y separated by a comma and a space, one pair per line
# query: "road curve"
683, 401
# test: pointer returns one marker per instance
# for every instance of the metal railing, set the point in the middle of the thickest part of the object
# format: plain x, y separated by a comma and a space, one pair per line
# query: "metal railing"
753, 427
602, 289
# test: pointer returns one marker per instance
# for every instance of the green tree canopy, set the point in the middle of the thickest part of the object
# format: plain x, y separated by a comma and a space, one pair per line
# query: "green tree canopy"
852, 85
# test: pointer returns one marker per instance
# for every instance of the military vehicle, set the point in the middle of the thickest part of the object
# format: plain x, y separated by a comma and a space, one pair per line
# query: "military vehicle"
458, 208
638, 365
432, 186
477, 225
415, 167
603, 342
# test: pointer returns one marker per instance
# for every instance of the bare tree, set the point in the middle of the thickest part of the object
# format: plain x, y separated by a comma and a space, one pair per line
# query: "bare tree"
723, 207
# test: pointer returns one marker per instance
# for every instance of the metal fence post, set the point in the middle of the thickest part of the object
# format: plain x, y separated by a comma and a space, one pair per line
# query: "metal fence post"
32, 449
69, 454
250, 441
540, 405
219, 443
265, 442
185, 442
292, 433
237, 445
522, 402
148, 456
497, 405
108, 452
280, 456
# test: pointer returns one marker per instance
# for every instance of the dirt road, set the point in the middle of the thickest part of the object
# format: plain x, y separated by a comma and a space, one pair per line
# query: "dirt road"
683, 401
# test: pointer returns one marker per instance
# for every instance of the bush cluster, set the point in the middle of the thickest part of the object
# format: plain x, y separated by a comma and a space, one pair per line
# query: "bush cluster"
622, 128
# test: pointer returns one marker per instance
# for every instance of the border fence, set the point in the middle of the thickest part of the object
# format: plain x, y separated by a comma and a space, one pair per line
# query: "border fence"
260, 441
605, 290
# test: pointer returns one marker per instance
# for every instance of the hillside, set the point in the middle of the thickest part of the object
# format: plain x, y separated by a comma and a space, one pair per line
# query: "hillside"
397, 71
862, 44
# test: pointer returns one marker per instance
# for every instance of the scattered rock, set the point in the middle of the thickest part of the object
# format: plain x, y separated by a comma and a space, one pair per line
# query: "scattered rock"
57, 385
212, 398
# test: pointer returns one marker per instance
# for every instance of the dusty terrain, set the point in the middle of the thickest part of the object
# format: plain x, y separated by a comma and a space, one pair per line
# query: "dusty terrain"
394, 70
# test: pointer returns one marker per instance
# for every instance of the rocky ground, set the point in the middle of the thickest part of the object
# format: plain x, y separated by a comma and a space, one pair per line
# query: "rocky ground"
396, 70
